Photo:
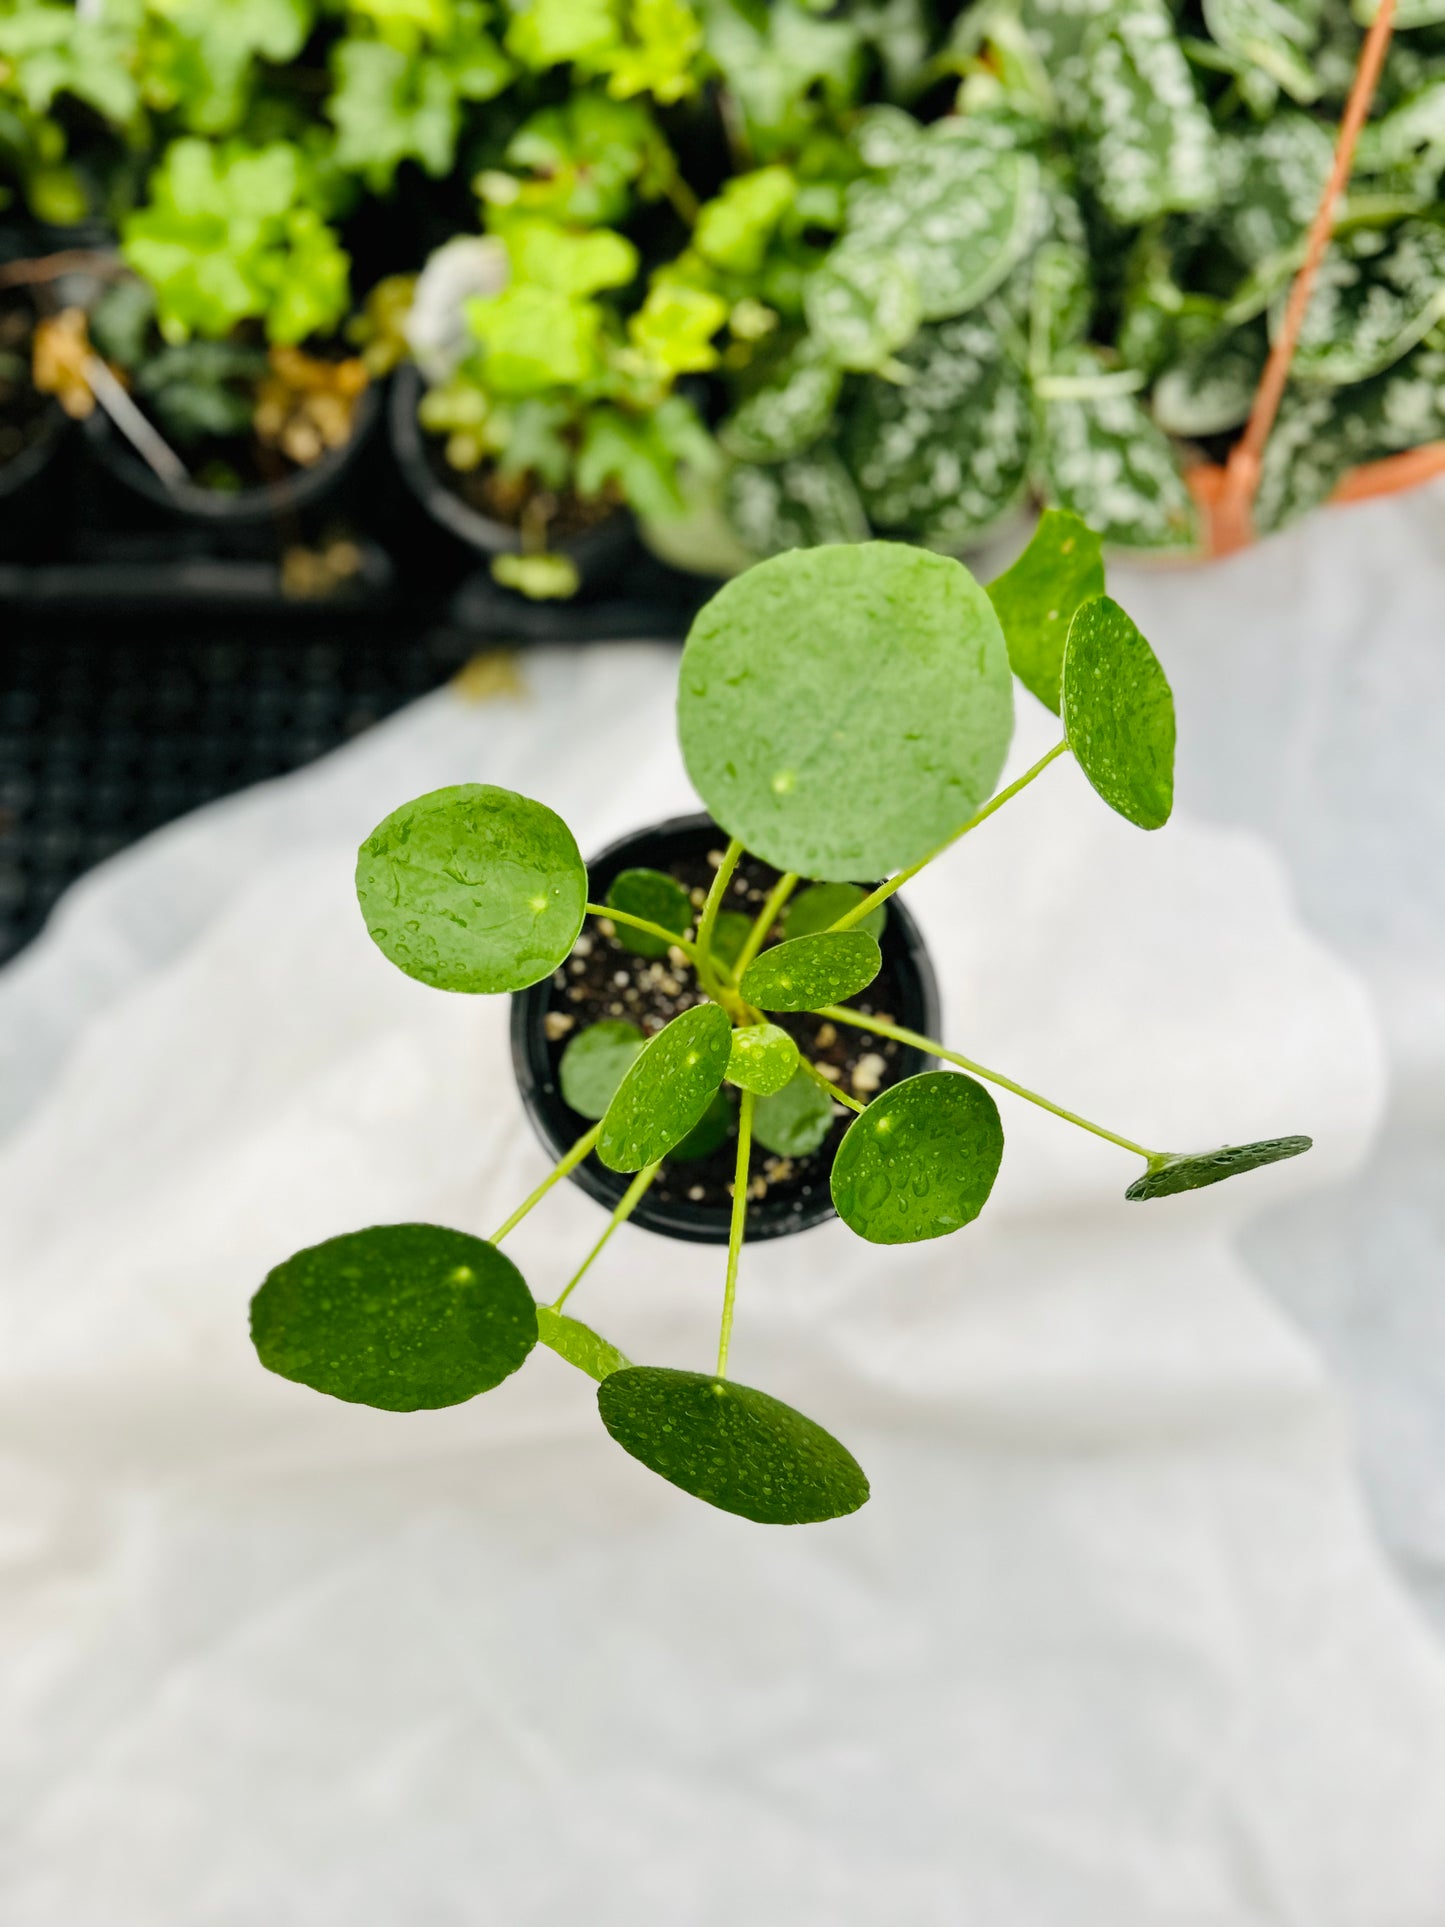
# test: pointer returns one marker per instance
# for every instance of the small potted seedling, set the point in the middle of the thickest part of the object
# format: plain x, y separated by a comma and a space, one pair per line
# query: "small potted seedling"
477, 890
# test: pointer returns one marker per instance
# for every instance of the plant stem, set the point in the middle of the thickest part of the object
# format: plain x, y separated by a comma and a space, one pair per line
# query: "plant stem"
735, 1228
763, 922
885, 890
827, 1084
707, 923
567, 1162
688, 949
628, 1203
896, 1031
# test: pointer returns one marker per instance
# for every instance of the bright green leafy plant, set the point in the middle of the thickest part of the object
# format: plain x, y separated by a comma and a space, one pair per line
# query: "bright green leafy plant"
477, 889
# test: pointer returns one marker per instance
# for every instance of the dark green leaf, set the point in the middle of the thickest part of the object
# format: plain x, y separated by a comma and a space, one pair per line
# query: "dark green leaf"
807, 972
1210, 388
801, 748
1103, 457
862, 305
820, 906
1273, 175
787, 403
652, 895
764, 1058
801, 503
1212, 1167
578, 1344
595, 1062
707, 1134
667, 1090
1119, 714
920, 1161
1375, 297
1154, 146
1062, 566
731, 1446
403, 1316
795, 1121
472, 888
729, 934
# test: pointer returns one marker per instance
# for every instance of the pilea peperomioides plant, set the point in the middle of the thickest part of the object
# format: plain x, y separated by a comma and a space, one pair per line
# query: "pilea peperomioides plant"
476, 889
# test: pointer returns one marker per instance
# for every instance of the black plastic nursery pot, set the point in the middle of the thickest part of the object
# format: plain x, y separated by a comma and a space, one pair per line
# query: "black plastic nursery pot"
249, 510
797, 1196
597, 553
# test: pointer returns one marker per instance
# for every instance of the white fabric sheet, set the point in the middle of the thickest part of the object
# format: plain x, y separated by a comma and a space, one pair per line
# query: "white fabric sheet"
1112, 1643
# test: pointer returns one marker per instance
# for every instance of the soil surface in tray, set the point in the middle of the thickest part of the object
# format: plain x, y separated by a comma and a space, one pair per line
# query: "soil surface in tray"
602, 979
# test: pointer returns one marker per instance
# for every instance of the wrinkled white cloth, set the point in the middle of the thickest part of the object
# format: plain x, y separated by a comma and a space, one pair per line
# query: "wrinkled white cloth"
1112, 1642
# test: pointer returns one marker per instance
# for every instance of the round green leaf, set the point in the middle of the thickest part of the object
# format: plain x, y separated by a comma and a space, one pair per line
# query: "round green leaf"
655, 896
578, 1344
1193, 1172
594, 1063
1119, 713
920, 1161
472, 888
403, 1316
707, 1134
763, 1059
1062, 566
667, 1090
807, 972
862, 304
845, 748
820, 906
794, 1122
731, 1446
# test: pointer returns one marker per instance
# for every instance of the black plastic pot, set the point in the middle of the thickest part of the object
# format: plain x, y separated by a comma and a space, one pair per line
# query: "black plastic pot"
597, 553
534, 1059
249, 510
30, 484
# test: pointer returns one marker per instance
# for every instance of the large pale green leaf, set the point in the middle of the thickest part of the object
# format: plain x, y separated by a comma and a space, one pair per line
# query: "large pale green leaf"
1193, 1172
578, 1344
667, 1090
735, 1448
1103, 457
920, 1161
943, 454
959, 214
1377, 295
795, 1121
800, 746
1119, 713
403, 1316
807, 972
594, 1063
1062, 566
656, 898
763, 1059
472, 888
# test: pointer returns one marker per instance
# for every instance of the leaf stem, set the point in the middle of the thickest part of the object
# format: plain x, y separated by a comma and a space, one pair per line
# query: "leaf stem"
735, 1228
896, 1031
567, 1162
827, 1084
707, 923
885, 890
627, 1204
763, 922
688, 948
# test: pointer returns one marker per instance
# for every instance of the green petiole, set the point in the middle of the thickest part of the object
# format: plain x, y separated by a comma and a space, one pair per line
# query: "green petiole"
881, 1028
826, 1083
735, 1227
627, 1204
707, 923
764, 920
885, 890
684, 944
567, 1162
